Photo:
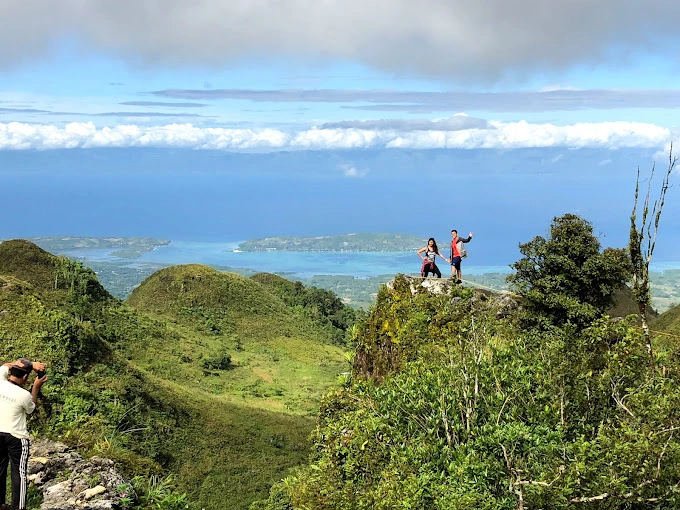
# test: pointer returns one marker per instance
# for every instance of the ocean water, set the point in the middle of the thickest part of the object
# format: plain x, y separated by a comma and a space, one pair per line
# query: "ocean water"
300, 264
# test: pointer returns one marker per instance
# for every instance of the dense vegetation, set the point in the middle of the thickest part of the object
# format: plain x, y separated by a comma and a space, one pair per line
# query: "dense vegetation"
566, 279
203, 375
322, 306
457, 401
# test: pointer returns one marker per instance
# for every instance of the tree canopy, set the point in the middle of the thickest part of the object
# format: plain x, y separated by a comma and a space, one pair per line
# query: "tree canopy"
567, 278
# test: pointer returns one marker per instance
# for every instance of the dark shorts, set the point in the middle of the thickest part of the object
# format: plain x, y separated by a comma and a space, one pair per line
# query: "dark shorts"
455, 262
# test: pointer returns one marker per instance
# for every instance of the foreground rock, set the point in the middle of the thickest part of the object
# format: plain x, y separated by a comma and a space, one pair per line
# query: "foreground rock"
503, 302
67, 481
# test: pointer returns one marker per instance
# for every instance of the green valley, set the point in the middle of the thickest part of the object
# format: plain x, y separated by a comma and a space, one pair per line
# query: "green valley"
212, 377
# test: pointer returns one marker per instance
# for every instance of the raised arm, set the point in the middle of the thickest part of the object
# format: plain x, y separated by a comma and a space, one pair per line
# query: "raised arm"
467, 239
37, 384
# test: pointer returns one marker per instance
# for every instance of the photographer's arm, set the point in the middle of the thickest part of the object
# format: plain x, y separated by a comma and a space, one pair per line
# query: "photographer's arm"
37, 384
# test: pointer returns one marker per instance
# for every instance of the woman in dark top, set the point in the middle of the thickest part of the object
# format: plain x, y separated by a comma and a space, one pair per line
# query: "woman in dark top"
428, 254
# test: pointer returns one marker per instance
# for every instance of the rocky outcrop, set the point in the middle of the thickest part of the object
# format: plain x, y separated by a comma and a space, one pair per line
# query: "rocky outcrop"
431, 285
502, 302
70, 482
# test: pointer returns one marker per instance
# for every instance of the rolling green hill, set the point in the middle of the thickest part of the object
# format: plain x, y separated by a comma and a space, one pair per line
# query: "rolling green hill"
203, 374
668, 322
278, 357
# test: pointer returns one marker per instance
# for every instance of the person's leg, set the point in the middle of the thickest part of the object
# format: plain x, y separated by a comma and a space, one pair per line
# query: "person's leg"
18, 456
435, 271
4, 459
456, 265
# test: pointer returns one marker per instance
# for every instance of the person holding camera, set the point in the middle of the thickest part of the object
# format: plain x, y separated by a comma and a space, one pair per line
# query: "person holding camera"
15, 404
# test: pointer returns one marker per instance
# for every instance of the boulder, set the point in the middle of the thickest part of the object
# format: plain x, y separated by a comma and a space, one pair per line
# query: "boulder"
70, 482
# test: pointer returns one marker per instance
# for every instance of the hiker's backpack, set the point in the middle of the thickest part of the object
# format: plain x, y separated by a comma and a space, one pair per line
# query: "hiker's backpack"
463, 252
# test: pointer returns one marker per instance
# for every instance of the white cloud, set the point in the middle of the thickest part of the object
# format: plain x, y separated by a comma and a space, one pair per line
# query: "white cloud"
499, 135
352, 171
484, 39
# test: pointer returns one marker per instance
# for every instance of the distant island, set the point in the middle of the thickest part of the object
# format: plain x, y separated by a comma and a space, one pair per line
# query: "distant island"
122, 247
343, 242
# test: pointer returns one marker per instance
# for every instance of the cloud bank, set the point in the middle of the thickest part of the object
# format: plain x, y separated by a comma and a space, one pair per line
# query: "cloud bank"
486, 39
497, 135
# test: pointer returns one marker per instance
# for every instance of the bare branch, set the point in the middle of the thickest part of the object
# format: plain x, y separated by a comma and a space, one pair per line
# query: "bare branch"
590, 499
619, 402
648, 230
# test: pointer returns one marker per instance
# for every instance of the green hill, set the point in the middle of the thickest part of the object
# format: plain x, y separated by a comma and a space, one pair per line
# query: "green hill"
322, 306
276, 354
668, 322
203, 374
26, 261
47, 273
625, 305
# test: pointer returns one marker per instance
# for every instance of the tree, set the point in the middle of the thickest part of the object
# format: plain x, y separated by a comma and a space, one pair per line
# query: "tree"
646, 231
567, 278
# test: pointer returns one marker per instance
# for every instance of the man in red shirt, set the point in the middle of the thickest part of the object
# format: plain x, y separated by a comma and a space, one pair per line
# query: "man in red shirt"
458, 253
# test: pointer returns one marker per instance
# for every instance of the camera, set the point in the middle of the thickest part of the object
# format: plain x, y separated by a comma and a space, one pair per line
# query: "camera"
40, 373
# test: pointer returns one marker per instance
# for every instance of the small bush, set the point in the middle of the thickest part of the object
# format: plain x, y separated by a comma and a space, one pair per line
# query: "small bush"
218, 361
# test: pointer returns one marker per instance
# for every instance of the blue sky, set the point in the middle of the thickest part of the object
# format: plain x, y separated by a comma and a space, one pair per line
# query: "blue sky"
227, 120
299, 75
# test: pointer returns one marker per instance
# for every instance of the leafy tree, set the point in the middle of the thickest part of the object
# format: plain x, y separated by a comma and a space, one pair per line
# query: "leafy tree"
567, 278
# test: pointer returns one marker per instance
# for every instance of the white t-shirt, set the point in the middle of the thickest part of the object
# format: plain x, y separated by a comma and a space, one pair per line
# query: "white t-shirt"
15, 404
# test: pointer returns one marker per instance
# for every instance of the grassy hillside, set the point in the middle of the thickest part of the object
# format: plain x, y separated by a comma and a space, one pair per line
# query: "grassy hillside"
625, 305
274, 356
669, 321
323, 307
203, 374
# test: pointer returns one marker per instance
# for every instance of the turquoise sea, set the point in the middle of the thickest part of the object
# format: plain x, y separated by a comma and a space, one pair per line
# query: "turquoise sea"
300, 264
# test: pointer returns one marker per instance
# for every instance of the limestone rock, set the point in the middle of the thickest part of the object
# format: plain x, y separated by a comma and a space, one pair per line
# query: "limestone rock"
70, 482
504, 303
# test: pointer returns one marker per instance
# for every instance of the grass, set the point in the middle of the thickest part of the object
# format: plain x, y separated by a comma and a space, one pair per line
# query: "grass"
280, 372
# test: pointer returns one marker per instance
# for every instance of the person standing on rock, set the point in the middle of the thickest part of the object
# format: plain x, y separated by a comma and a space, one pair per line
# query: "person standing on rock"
458, 253
15, 404
429, 254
